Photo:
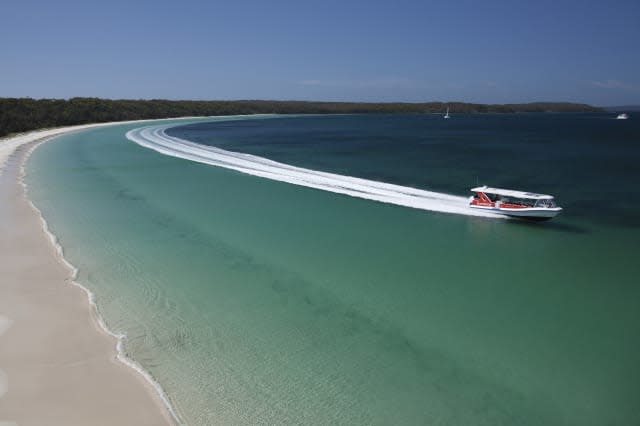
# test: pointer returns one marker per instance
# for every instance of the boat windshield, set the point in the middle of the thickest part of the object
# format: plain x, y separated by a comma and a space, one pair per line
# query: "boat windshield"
517, 201
548, 203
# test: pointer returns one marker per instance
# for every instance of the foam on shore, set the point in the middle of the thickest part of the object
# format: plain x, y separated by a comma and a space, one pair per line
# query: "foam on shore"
37, 138
154, 137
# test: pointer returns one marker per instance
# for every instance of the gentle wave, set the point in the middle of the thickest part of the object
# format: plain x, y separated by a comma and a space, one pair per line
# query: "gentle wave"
154, 137
122, 355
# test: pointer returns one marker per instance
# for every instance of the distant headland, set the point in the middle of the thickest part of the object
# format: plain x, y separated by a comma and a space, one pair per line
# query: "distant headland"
24, 114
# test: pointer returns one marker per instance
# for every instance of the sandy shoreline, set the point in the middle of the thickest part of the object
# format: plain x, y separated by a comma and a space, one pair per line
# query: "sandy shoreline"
57, 365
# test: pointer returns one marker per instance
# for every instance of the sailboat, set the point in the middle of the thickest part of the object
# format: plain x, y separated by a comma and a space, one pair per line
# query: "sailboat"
447, 114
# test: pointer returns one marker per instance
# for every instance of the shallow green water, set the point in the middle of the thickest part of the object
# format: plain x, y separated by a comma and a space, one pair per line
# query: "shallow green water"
259, 302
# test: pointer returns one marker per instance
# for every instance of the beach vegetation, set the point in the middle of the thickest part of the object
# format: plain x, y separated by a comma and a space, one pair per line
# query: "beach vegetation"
25, 114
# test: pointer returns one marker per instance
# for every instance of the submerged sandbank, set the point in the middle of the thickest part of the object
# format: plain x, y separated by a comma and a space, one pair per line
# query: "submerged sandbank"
57, 363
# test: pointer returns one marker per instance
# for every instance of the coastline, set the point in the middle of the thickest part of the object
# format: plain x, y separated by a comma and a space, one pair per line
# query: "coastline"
59, 363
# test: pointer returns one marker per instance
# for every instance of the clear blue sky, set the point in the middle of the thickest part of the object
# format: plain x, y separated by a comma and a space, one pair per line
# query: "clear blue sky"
350, 50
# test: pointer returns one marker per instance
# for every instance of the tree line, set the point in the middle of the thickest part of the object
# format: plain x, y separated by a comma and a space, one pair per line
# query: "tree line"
24, 114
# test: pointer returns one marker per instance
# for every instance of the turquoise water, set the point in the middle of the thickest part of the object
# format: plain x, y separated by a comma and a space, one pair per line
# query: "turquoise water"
260, 302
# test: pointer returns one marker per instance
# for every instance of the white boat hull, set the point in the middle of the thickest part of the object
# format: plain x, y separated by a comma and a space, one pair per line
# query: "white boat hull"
531, 213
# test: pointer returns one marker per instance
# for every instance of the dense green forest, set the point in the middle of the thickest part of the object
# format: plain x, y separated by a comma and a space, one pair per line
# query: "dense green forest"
23, 114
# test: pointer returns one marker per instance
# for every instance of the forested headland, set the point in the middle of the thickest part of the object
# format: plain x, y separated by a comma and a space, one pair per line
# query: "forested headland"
24, 114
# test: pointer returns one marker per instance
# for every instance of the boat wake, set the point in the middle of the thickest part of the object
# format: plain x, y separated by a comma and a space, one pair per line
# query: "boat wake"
154, 137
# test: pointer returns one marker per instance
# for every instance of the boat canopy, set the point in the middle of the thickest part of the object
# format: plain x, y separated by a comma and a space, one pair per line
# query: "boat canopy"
511, 193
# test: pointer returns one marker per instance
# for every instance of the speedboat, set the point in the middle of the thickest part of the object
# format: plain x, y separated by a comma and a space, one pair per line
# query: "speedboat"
524, 205
622, 116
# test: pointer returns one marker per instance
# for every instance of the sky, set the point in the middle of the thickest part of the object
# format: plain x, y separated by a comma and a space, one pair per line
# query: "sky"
489, 51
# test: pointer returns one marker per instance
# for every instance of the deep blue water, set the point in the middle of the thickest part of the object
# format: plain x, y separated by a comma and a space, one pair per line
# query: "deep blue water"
588, 161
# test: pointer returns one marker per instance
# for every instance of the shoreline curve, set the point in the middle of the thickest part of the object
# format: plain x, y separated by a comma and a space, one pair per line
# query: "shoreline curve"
27, 143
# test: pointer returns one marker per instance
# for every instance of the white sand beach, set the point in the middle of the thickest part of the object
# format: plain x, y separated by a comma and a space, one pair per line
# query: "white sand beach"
57, 365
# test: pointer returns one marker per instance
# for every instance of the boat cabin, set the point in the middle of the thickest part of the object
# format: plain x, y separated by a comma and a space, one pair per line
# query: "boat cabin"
526, 205
495, 197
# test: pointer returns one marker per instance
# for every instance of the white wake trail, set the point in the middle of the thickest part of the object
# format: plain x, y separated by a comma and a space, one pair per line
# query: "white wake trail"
154, 137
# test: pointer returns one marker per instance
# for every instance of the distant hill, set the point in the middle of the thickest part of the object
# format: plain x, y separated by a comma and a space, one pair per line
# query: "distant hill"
24, 114
623, 108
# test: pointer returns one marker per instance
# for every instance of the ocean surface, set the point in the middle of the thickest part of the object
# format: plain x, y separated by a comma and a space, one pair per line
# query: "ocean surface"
260, 301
